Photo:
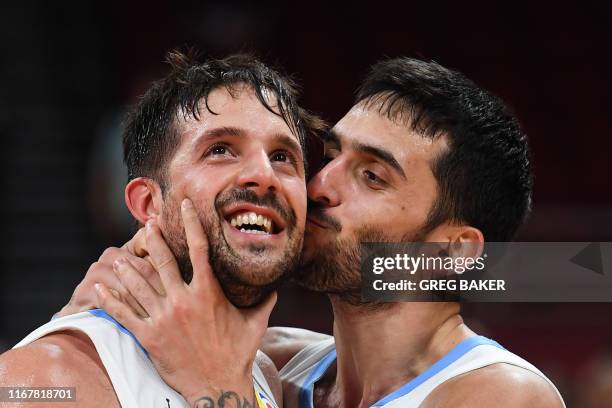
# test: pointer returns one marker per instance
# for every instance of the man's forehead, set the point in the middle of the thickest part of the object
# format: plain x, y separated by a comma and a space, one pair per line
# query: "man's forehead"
365, 124
237, 107
231, 94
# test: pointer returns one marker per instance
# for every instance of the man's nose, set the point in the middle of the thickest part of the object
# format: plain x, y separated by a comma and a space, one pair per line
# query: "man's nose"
323, 186
258, 175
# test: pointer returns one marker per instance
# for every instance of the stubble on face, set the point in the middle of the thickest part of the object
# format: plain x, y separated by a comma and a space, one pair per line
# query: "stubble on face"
246, 279
336, 268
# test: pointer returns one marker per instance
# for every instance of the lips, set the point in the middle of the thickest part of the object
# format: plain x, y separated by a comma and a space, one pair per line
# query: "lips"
316, 222
322, 220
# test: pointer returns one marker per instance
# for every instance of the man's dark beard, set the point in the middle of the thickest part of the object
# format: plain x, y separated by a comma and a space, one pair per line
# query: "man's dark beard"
242, 284
336, 269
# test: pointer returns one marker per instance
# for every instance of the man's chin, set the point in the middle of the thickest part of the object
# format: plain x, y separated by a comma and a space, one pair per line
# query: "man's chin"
248, 279
311, 249
246, 295
313, 279
261, 275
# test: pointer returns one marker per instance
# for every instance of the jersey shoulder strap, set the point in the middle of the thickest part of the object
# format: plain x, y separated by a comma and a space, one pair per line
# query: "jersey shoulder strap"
303, 370
263, 393
469, 355
133, 376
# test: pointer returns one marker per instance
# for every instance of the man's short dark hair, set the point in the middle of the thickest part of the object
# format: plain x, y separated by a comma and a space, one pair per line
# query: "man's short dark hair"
484, 177
150, 137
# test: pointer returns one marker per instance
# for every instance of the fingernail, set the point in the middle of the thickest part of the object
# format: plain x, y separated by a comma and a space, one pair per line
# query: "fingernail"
149, 224
97, 287
187, 204
118, 263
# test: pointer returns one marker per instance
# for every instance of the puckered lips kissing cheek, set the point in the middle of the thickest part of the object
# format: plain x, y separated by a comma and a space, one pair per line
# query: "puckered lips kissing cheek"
247, 224
320, 228
318, 219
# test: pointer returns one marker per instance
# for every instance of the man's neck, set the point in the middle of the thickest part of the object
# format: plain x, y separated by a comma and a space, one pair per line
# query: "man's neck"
381, 349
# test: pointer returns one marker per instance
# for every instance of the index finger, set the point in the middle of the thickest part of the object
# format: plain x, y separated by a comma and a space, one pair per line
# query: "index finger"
198, 250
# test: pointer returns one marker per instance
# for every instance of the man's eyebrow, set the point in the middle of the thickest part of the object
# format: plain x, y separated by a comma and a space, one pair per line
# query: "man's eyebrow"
289, 142
381, 154
335, 138
331, 136
223, 131
216, 133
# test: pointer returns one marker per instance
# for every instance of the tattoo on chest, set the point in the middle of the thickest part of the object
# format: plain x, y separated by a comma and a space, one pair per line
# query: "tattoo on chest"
228, 399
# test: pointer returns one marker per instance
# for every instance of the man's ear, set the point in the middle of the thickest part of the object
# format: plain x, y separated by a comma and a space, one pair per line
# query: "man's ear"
143, 199
466, 242
458, 240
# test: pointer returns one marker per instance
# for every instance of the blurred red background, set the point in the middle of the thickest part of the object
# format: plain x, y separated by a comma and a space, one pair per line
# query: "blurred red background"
68, 71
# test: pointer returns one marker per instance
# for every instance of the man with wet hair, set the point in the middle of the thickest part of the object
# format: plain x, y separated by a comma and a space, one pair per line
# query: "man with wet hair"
424, 155
227, 136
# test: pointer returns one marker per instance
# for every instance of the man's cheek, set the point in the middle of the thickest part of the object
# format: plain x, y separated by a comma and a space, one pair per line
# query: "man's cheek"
300, 203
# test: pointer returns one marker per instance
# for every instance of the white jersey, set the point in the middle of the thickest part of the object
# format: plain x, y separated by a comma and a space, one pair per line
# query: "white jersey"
306, 367
133, 375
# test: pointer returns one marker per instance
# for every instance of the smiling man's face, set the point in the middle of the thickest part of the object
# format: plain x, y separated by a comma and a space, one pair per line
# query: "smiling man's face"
377, 185
244, 170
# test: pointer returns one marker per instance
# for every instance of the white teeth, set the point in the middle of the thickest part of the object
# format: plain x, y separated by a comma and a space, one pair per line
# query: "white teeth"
251, 218
250, 231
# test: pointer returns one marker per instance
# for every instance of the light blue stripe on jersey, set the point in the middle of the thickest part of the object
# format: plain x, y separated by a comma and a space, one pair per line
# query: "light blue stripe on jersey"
315, 374
459, 350
101, 313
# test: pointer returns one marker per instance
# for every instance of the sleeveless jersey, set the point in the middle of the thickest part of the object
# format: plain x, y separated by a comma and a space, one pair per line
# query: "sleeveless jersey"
309, 365
133, 375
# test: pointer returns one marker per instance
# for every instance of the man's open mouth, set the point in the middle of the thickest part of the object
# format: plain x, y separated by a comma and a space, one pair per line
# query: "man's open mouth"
252, 223
255, 220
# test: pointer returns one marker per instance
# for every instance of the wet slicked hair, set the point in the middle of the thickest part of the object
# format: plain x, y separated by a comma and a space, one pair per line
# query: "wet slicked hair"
150, 138
484, 176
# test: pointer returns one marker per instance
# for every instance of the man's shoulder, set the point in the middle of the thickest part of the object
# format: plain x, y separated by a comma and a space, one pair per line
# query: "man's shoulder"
46, 359
62, 359
500, 385
282, 343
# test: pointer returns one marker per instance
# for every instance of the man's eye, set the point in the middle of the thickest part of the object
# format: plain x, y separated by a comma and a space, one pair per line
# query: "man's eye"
282, 156
373, 177
218, 150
